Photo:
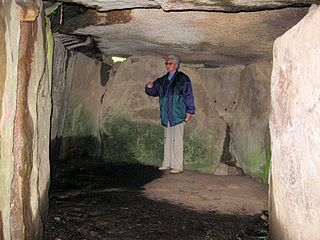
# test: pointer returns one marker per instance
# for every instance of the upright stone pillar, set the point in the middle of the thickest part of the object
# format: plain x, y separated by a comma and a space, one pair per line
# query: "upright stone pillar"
25, 97
250, 139
295, 132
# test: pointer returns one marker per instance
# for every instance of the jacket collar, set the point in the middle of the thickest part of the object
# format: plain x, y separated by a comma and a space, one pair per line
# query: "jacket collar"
174, 75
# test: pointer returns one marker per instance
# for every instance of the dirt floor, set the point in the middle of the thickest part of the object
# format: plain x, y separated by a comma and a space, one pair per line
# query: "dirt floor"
132, 201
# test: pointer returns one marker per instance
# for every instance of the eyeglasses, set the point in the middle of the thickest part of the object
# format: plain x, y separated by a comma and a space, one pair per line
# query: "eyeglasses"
169, 63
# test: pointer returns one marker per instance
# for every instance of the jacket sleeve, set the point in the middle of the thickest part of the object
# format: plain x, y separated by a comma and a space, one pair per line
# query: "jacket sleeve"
188, 97
154, 91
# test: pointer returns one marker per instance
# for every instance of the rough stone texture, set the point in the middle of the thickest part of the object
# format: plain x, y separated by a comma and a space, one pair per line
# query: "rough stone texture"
211, 38
42, 83
3, 57
25, 113
132, 121
294, 124
226, 170
81, 128
3, 60
22, 138
28, 10
222, 87
207, 5
116, 5
11, 37
63, 62
228, 6
207, 130
250, 131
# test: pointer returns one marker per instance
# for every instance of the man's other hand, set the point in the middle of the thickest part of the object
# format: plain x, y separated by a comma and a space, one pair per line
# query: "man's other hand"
188, 116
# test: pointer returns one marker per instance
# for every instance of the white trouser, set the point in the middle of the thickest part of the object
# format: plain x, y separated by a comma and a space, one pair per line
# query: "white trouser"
173, 146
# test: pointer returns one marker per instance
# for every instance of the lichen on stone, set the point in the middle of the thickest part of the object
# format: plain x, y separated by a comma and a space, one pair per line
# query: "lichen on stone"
128, 140
125, 139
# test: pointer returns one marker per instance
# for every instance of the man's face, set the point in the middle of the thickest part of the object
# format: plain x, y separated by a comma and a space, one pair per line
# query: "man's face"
171, 66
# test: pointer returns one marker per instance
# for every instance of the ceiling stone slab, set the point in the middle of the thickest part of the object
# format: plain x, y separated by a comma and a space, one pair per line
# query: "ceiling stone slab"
108, 5
210, 38
230, 5
199, 5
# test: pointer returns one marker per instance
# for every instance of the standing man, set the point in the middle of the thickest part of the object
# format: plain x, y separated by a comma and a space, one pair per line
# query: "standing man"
176, 108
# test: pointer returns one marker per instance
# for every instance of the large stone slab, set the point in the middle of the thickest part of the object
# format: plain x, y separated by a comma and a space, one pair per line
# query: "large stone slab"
204, 5
229, 6
81, 132
9, 54
222, 86
250, 132
62, 74
131, 119
294, 125
212, 38
25, 117
3, 57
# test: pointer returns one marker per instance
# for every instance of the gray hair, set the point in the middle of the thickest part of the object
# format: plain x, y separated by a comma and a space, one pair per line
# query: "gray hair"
175, 59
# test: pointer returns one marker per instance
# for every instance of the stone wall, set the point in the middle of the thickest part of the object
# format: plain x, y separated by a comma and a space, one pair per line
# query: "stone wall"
113, 114
222, 86
294, 125
62, 74
131, 123
82, 124
25, 87
79, 85
250, 138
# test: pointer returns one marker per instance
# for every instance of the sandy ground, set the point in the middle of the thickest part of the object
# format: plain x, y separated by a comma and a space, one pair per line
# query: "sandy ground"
206, 192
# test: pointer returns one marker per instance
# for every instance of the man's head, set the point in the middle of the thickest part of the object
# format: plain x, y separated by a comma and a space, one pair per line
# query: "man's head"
172, 63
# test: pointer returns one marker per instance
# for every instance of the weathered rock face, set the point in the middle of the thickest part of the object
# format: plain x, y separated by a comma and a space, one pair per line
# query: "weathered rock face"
82, 121
78, 88
215, 39
131, 123
26, 50
62, 74
222, 86
227, 170
294, 125
208, 5
250, 132
3, 57
3, 60
212, 38
128, 122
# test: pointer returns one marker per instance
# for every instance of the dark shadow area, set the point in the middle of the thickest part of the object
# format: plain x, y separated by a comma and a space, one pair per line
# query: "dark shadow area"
93, 175
106, 201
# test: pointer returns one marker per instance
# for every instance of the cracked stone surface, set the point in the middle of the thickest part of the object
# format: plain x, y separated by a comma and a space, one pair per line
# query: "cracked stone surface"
204, 5
202, 36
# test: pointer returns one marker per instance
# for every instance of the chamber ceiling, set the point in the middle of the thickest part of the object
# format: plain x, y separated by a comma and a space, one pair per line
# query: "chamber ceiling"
208, 37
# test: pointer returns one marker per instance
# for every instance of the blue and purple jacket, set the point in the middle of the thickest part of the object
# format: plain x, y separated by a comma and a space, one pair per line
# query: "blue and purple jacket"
175, 98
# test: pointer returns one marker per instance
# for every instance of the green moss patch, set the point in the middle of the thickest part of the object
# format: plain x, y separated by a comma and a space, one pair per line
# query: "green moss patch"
253, 157
78, 134
199, 155
128, 140
268, 157
78, 121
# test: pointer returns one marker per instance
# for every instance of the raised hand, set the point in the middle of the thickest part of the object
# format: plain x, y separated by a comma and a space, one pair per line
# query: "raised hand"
150, 85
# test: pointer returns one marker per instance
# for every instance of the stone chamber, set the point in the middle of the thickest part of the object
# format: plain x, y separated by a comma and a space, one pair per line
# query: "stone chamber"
68, 107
